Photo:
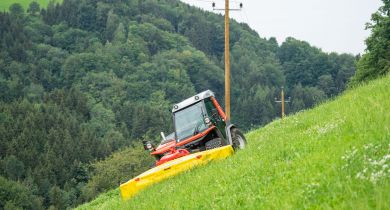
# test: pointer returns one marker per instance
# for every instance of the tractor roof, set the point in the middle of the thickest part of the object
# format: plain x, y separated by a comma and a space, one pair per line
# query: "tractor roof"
192, 100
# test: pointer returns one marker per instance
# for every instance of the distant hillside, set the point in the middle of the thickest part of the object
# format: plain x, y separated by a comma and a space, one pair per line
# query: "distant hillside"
5, 4
335, 156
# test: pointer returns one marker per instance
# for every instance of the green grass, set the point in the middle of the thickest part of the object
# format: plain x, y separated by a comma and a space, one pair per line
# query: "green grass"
335, 156
4, 4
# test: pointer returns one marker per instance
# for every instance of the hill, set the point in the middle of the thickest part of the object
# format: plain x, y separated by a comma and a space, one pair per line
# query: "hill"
5, 4
335, 156
83, 82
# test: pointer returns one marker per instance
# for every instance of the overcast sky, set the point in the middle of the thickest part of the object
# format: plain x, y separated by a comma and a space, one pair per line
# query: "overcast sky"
332, 25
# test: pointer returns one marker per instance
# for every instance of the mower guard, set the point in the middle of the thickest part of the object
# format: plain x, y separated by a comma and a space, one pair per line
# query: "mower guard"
172, 168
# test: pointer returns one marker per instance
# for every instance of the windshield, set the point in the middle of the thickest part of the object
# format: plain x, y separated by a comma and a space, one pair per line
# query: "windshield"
189, 121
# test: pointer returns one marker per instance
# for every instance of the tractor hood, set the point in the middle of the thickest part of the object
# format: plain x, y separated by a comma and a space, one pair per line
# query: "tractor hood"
163, 148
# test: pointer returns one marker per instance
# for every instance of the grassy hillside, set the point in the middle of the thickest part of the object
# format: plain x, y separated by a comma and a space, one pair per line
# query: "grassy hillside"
4, 4
334, 156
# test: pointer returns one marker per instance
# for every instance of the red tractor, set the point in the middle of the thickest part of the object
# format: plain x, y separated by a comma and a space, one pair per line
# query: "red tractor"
200, 124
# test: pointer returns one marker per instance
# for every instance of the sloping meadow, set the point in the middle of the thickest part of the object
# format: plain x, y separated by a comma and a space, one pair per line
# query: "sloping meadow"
336, 156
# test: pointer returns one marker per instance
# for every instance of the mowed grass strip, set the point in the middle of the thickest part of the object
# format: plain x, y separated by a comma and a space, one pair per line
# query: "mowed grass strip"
335, 156
5, 4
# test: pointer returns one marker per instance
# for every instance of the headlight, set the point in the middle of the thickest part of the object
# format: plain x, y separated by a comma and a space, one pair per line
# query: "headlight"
207, 121
148, 145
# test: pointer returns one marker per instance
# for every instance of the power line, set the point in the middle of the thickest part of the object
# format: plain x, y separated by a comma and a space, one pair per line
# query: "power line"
246, 16
230, 9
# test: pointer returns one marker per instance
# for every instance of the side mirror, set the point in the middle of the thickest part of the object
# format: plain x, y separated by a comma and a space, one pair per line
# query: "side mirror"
148, 145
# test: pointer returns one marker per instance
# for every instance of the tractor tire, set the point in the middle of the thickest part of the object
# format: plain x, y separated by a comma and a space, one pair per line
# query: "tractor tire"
213, 143
239, 141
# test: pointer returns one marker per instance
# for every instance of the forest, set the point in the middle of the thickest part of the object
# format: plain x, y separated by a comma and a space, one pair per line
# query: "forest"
83, 82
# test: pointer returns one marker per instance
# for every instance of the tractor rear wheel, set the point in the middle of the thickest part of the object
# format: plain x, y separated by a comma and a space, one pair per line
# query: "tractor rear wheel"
239, 141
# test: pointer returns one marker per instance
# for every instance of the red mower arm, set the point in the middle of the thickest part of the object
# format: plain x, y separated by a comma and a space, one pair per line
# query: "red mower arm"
219, 109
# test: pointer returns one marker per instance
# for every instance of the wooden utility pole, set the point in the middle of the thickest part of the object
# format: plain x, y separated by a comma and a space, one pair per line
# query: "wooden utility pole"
227, 62
282, 101
227, 57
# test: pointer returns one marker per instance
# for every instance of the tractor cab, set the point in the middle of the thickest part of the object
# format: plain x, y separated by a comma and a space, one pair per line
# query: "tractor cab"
200, 124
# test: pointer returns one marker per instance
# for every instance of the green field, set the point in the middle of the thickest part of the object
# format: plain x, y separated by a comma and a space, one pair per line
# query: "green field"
4, 4
335, 156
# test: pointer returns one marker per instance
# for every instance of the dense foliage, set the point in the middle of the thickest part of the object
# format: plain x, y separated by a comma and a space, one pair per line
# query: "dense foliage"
86, 78
376, 61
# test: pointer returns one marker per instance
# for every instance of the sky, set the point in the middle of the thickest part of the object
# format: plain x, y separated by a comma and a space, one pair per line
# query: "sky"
332, 25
